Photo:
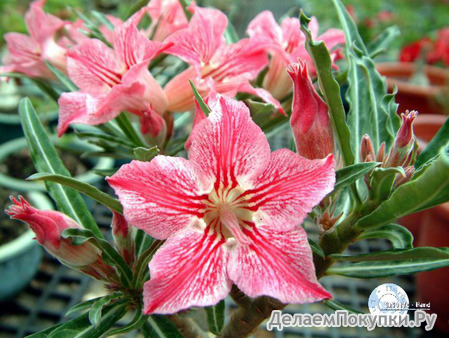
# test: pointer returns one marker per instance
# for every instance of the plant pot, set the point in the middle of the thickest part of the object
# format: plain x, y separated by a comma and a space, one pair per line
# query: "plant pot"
425, 99
20, 185
425, 127
20, 258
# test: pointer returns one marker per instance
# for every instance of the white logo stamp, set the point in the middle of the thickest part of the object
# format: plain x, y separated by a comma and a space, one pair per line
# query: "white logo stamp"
388, 299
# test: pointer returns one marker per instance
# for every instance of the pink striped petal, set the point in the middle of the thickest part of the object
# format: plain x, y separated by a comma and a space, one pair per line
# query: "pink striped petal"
94, 67
228, 146
264, 24
289, 188
276, 264
198, 43
41, 25
188, 270
162, 196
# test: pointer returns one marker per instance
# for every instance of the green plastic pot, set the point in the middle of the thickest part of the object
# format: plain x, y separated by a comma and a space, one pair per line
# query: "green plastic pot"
20, 258
16, 145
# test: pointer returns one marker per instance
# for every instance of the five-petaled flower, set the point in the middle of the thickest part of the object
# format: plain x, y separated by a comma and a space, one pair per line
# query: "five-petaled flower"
287, 46
115, 79
231, 213
230, 66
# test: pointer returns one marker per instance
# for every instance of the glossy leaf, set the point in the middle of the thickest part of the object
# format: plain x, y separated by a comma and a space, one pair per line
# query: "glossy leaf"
46, 159
98, 306
423, 191
215, 317
81, 306
158, 326
441, 139
350, 174
85, 188
392, 263
330, 89
204, 107
137, 322
399, 236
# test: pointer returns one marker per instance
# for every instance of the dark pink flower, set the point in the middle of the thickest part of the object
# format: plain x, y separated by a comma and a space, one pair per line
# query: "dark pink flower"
312, 129
115, 79
287, 46
231, 67
27, 53
230, 214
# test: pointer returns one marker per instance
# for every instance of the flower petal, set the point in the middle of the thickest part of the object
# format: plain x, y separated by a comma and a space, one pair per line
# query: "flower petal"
289, 188
41, 25
188, 270
160, 197
228, 146
276, 264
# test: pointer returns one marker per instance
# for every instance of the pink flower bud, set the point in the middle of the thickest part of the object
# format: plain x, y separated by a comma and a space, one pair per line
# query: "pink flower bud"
48, 226
123, 237
310, 121
404, 144
405, 134
366, 149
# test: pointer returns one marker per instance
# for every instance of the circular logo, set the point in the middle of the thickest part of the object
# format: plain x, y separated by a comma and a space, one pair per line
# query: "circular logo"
388, 299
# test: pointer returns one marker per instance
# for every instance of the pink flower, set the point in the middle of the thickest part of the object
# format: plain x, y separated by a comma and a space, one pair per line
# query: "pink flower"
287, 46
115, 79
231, 67
167, 17
27, 53
230, 214
48, 226
310, 121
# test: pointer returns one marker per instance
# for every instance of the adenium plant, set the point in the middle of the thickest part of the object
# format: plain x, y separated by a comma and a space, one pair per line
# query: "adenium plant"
211, 211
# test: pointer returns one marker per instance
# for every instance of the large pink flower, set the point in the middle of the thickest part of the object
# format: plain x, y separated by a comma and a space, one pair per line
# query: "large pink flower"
231, 67
289, 46
115, 79
27, 53
230, 214
167, 17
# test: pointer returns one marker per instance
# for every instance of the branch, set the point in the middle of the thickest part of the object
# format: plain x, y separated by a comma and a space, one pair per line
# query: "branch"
187, 327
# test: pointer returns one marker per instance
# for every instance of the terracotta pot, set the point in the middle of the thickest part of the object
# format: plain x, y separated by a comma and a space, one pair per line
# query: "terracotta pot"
426, 100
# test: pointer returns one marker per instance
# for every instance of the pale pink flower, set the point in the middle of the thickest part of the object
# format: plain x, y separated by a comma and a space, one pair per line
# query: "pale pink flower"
288, 45
167, 17
311, 125
231, 67
115, 79
27, 53
48, 226
230, 214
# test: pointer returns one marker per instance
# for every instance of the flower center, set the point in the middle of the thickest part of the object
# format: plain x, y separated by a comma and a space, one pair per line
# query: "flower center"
226, 211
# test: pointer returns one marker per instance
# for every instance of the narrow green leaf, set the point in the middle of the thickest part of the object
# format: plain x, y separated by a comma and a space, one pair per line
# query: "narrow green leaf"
185, 4
81, 306
64, 79
382, 180
330, 89
105, 172
215, 317
392, 263
103, 19
146, 154
383, 41
399, 236
85, 188
106, 137
46, 159
137, 322
97, 307
336, 305
157, 326
231, 34
128, 130
46, 89
414, 195
350, 174
316, 248
199, 99
441, 139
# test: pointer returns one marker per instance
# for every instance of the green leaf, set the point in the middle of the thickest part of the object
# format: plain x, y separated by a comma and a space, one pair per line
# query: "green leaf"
336, 305
98, 306
350, 174
137, 322
440, 140
230, 34
85, 188
62, 77
185, 4
382, 180
330, 89
81, 306
103, 19
107, 251
215, 317
316, 248
399, 236
372, 110
392, 263
105, 172
383, 41
157, 326
199, 99
46, 159
106, 137
429, 186
146, 154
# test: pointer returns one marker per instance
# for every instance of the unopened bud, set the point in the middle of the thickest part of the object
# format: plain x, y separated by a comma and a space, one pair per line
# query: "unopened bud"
366, 149
123, 237
409, 171
404, 144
